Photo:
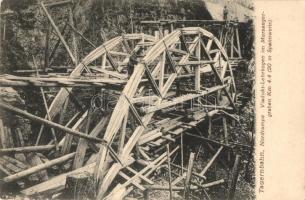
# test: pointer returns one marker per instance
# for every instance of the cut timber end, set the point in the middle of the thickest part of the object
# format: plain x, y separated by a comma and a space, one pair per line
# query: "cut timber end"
80, 185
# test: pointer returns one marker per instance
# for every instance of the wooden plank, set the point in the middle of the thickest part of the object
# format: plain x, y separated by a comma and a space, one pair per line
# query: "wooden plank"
3, 138
69, 138
83, 144
181, 99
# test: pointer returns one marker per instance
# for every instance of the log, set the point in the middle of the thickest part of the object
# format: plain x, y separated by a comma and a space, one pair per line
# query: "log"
38, 168
27, 149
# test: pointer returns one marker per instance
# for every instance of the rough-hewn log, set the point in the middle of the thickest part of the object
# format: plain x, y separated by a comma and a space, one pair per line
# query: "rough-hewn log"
27, 149
37, 168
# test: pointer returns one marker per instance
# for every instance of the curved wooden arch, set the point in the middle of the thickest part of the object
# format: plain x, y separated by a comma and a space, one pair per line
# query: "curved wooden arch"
185, 52
92, 56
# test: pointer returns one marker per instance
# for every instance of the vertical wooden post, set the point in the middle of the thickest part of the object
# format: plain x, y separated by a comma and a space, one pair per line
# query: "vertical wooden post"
238, 43
47, 48
146, 194
49, 117
197, 78
2, 135
232, 43
225, 130
234, 177
161, 74
74, 42
181, 148
104, 59
188, 176
169, 173
46, 106
210, 127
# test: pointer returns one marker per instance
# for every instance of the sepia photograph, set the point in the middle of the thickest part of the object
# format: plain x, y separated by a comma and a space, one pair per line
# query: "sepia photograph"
127, 99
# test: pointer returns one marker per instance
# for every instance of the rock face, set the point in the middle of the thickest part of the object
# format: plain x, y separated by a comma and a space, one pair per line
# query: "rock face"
14, 131
98, 20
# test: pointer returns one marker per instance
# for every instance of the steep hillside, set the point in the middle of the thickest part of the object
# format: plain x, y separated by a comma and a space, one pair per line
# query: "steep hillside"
97, 20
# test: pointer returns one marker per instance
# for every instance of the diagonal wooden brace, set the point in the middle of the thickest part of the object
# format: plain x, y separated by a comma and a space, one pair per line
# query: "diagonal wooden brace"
135, 112
152, 81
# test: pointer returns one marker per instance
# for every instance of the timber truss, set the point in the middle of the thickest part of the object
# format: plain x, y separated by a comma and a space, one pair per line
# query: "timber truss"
158, 92
226, 31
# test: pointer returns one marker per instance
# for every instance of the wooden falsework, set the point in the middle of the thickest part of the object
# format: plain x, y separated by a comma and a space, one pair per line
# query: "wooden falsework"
132, 87
60, 98
162, 66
